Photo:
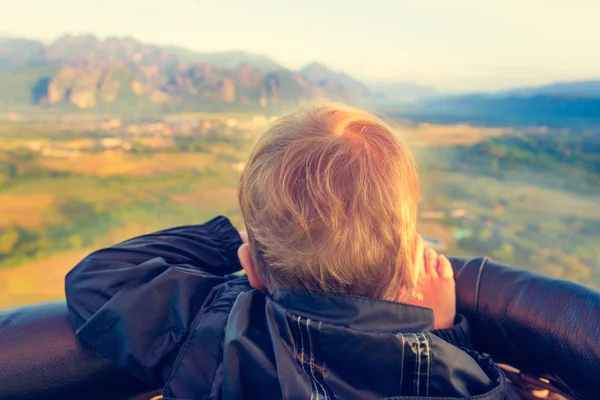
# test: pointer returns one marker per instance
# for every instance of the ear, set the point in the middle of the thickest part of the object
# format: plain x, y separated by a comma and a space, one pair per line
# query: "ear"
248, 265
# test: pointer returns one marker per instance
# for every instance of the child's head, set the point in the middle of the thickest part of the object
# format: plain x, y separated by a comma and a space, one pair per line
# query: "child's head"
329, 198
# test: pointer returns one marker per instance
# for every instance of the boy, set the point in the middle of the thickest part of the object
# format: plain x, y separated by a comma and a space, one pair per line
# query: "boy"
338, 300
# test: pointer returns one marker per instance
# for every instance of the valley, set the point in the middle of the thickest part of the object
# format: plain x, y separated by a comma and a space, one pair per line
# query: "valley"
105, 139
75, 183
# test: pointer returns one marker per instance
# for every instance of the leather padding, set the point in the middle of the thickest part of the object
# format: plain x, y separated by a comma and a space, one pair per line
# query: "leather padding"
543, 326
40, 358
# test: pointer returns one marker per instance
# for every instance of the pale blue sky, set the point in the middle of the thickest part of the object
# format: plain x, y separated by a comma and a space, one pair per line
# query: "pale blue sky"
451, 44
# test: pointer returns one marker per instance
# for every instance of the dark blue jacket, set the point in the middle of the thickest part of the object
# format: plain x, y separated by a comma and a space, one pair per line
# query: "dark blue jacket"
165, 308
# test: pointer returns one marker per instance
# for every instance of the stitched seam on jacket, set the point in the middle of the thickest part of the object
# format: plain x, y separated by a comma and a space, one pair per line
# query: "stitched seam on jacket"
417, 366
324, 371
415, 353
312, 362
431, 356
302, 363
426, 354
499, 389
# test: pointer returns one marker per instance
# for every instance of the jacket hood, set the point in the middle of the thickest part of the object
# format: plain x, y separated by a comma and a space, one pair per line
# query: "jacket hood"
298, 345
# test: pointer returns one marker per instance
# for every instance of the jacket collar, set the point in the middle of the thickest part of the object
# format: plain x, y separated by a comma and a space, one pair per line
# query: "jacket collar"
356, 312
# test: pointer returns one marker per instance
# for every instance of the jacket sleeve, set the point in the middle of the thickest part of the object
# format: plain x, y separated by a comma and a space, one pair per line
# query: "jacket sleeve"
135, 302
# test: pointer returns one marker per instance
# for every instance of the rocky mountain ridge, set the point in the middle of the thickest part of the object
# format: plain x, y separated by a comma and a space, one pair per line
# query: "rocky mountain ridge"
86, 72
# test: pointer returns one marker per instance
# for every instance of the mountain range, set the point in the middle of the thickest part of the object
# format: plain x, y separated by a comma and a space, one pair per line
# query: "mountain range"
88, 73
125, 75
558, 105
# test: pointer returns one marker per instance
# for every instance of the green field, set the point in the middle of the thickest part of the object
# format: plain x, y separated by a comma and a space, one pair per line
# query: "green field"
65, 192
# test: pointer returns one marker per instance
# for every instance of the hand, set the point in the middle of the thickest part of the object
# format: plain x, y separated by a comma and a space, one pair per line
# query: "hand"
244, 236
435, 287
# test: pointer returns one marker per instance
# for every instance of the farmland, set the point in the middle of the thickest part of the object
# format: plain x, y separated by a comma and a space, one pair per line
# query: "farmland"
72, 184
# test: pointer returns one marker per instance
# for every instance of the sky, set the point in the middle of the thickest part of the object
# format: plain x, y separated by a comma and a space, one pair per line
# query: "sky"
453, 45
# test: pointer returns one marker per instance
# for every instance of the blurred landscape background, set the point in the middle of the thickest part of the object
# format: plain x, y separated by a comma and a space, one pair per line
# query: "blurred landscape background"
105, 135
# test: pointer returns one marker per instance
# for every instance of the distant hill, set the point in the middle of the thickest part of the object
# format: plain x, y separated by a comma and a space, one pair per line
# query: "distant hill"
564, 104
564, 158
122, 74
576, 89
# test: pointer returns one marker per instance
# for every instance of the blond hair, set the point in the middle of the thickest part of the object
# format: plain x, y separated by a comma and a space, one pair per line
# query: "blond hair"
329, 198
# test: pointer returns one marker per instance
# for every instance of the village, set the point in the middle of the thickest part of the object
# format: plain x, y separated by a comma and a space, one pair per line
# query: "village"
75, 137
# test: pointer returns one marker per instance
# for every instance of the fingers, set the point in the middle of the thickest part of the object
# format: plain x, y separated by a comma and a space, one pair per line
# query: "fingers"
437, 265
244, 236
444, 267
431, 262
